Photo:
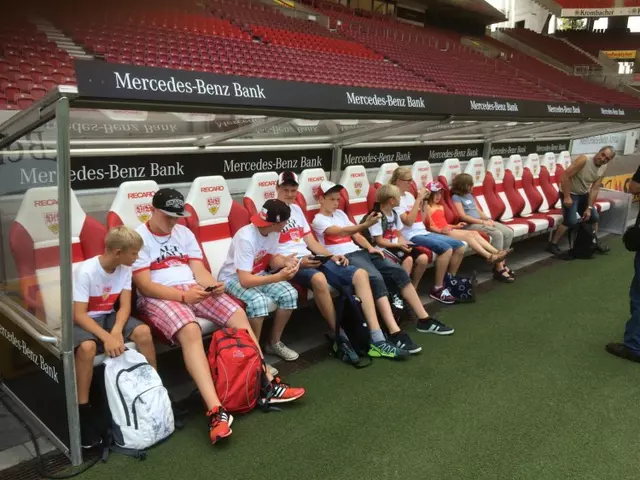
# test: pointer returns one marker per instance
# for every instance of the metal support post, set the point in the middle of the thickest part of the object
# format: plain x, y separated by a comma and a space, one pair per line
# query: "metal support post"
66, 299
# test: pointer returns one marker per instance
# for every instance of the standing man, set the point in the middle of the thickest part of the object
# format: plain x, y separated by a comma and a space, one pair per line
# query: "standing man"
579, 187
630, 349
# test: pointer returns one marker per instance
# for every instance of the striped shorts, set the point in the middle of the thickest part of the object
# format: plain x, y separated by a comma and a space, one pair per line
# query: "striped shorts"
257, 299
168, 317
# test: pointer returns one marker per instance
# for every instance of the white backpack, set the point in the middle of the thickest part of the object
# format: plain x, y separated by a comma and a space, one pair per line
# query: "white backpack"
141, 411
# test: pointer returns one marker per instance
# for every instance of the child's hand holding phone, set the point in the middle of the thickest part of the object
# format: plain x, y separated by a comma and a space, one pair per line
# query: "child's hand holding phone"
215, 289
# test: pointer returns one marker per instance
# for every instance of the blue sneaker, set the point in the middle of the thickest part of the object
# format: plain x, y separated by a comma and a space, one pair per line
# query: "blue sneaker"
343, 349
433, 325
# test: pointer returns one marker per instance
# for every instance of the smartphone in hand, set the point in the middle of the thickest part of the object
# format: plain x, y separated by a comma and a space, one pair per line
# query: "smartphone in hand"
211, 288
322, 258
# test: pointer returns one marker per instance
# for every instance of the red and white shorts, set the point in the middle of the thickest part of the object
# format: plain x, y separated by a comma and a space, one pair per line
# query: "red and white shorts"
168, 317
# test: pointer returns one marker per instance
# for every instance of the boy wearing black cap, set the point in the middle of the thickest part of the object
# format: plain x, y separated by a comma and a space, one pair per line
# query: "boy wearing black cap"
254, 250
174, 286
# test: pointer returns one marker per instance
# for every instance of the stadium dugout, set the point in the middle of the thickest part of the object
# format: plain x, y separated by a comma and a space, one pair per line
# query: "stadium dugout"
87, 157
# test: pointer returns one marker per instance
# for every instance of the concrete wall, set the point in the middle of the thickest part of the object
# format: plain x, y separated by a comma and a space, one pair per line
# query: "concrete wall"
533, 14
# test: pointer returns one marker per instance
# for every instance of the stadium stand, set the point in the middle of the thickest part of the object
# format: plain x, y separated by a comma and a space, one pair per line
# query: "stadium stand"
551, 46
586, 3
593, 42
30, 64
438, 56
571, 87
256, 40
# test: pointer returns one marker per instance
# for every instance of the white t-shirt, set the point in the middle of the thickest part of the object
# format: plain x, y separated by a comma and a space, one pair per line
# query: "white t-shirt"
167, 256
337, 245
292, 237
393, 227
406, 205
100, 289
250, 251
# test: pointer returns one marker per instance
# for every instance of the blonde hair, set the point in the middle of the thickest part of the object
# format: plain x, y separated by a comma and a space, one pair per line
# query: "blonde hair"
462, 184
399, 174
123, 238
387, 192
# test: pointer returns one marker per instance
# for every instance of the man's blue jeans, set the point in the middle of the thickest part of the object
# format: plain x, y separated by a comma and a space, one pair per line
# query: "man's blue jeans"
632, 330
572, 215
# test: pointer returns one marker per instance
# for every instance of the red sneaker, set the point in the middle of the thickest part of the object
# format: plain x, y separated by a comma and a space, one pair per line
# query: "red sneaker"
219, 424
442, 295
283, 393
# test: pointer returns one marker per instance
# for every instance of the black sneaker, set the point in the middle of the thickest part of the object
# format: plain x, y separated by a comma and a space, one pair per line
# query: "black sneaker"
89, 436
622, 351
403, 340
433, 325
553, 249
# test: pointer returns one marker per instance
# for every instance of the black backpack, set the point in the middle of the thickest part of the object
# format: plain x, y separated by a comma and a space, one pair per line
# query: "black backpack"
631, 237
584, 243
350, 319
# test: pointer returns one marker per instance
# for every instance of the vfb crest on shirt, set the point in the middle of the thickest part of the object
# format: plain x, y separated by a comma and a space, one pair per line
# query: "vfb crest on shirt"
358, 187
106, 291
143, 212
52, 222
295, 234
213, 205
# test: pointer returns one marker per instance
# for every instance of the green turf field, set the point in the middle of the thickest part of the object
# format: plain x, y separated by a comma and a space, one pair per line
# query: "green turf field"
523, 390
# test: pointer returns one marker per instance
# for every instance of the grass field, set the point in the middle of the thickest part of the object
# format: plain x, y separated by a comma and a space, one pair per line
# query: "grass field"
523, 390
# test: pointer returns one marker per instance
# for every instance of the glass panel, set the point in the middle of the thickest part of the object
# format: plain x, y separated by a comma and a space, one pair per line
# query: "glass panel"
30, 326
130, 128
29, 226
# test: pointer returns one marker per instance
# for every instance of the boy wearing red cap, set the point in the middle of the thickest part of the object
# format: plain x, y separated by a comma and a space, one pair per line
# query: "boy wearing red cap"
253, 252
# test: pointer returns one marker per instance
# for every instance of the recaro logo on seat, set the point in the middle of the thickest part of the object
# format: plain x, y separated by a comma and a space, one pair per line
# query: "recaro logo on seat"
271, 183
316, 179
141, 194
216, 188
45, 203
357, 175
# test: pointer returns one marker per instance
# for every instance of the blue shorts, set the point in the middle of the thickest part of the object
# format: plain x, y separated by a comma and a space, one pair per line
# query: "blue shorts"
336, 275
437, 243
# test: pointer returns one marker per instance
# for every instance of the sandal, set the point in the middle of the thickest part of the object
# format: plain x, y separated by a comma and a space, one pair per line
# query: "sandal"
496, 257
501, 277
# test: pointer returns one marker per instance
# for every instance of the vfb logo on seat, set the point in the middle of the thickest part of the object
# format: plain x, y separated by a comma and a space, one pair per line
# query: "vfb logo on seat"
213, 205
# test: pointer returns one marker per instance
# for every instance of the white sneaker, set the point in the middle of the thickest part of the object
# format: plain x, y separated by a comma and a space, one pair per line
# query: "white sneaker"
272, 370
281, 350
397, 301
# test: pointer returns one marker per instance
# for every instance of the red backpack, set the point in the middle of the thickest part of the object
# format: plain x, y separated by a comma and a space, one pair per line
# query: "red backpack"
237, 369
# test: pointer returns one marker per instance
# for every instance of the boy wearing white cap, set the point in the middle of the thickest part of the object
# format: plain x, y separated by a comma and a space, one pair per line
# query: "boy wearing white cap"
342, 237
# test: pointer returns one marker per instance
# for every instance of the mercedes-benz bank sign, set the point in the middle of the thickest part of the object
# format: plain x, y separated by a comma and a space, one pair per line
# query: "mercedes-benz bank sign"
130, 82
